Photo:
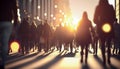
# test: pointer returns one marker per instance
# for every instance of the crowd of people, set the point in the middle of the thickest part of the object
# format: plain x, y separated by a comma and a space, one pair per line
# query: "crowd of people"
44, 37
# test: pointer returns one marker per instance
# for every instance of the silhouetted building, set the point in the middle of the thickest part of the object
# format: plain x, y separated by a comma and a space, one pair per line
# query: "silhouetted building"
37, 9
62, 11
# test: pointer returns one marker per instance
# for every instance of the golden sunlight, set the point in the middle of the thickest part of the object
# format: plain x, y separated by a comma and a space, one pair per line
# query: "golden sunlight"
74, 23
15, 46
106, 28
71, 23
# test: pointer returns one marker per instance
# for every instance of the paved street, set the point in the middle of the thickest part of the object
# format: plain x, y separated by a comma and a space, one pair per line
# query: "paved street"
56, 60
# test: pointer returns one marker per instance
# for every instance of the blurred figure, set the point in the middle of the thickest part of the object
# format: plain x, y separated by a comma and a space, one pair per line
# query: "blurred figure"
63, 37
58, 36
83, 36
46, 35
68, 36
33, 36
116, 49
24, 35
8, 12
40, 38
95, 40
101, 17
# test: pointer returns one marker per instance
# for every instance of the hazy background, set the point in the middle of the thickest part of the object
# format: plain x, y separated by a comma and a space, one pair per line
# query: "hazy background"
78, 6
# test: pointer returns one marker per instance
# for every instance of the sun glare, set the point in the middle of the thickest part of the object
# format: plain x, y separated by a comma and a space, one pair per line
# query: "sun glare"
75, 22
72, 23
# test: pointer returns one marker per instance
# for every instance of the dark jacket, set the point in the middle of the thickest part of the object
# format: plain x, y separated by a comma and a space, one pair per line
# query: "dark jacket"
104, 13
83, 35
8, 10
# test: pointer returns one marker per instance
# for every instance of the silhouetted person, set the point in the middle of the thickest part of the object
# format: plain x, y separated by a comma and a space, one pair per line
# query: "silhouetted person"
8, 11
40, 39
83, 36
46, 32
116, 48
68, 38
104, 13
24, 33
58, 37
95, 40
33, 35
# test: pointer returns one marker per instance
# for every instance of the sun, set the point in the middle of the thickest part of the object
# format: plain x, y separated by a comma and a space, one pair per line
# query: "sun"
75, 22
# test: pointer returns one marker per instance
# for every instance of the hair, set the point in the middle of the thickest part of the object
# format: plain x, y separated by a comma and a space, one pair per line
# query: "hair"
103, 2
85, 15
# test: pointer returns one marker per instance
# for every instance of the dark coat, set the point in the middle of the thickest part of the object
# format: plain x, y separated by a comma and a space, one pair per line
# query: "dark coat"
83, 35
8, 10
104, 13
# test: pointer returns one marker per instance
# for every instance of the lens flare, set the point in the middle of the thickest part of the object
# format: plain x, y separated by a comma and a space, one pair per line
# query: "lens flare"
15, 46
106, 28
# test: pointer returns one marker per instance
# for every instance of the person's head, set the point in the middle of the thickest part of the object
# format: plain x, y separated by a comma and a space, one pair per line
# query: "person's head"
85, 16
103, 2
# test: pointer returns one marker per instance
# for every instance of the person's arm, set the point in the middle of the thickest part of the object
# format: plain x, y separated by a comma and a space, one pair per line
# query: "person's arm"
15, 15
113, 14
91, 27
96, 16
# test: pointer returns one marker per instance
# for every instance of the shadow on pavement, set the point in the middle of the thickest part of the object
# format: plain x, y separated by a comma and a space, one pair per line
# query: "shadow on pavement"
116, 56
70, 54
52, 62
18, 57
85, 66
32, 61
112, 67
100, 62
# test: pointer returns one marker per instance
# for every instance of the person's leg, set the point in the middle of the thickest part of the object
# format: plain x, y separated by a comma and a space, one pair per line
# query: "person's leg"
86, 53
71, 47
60, 46
81, 53
5, 35
119, 51
119, 48
113, 49
103, 51
96, 46
109, 50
